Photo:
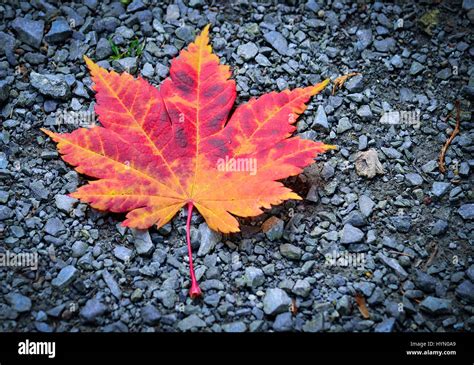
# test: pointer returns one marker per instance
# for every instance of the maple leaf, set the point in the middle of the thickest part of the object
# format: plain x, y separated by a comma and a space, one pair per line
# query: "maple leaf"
160, 150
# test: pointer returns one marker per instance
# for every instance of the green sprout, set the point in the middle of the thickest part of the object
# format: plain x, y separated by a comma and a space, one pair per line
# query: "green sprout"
135, 49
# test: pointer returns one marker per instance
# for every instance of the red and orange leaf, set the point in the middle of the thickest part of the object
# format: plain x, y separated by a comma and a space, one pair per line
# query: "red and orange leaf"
159, 150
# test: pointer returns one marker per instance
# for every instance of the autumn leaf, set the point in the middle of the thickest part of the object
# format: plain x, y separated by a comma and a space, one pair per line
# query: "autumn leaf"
160, 150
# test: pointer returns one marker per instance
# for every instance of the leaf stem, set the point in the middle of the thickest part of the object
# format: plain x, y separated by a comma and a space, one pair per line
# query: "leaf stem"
195, 290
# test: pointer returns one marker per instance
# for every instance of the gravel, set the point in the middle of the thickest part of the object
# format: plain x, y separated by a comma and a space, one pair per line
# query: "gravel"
435, 305
364, 38
343, 125
185, 33
191, 322
364, 112
122, 253
65, 203
402, 223
425, 282
314, 325
234, 327
351, 234
355, 84
54, 226
150, 315
386, 325
416, 68
103, 49
439, 189
290, 251
112, 284
247, 51
440, 227
302, 288
277, 41
283, 322
65, 277
466, 211
414, 179
385, 45
29, 31
275, 301
92, 310
321, 120
391, 152
393, 264
465, 291
54, 86
79, 248
126, 64
19, 302
208, 239
142, 241
273, 228
59, 32
366, 205
254, 277
148, 70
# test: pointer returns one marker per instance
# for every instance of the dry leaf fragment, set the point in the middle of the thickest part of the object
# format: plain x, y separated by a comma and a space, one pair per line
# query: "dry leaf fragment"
339, 81
360, 300
367, 164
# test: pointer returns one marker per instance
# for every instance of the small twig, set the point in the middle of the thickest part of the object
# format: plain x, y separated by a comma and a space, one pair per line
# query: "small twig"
293, 307
339, 81
431, 258
456, 131
448, 8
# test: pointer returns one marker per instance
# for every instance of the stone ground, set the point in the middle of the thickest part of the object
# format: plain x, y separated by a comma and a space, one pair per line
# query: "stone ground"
407, 232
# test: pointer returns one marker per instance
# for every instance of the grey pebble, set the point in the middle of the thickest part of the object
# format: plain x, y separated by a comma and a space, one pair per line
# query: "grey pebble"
351, 234
290, 251
92, 310
29, 31
436, 306
208, 239
277, 41
191, 322
18, 302
275, 301
54, 86
247, 51
254, 277
66, 276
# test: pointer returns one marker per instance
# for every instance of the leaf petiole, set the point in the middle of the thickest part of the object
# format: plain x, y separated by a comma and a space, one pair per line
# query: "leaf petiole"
195, 290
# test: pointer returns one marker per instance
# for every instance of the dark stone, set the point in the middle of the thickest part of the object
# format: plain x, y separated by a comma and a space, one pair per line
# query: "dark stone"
59, 32
29, 31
